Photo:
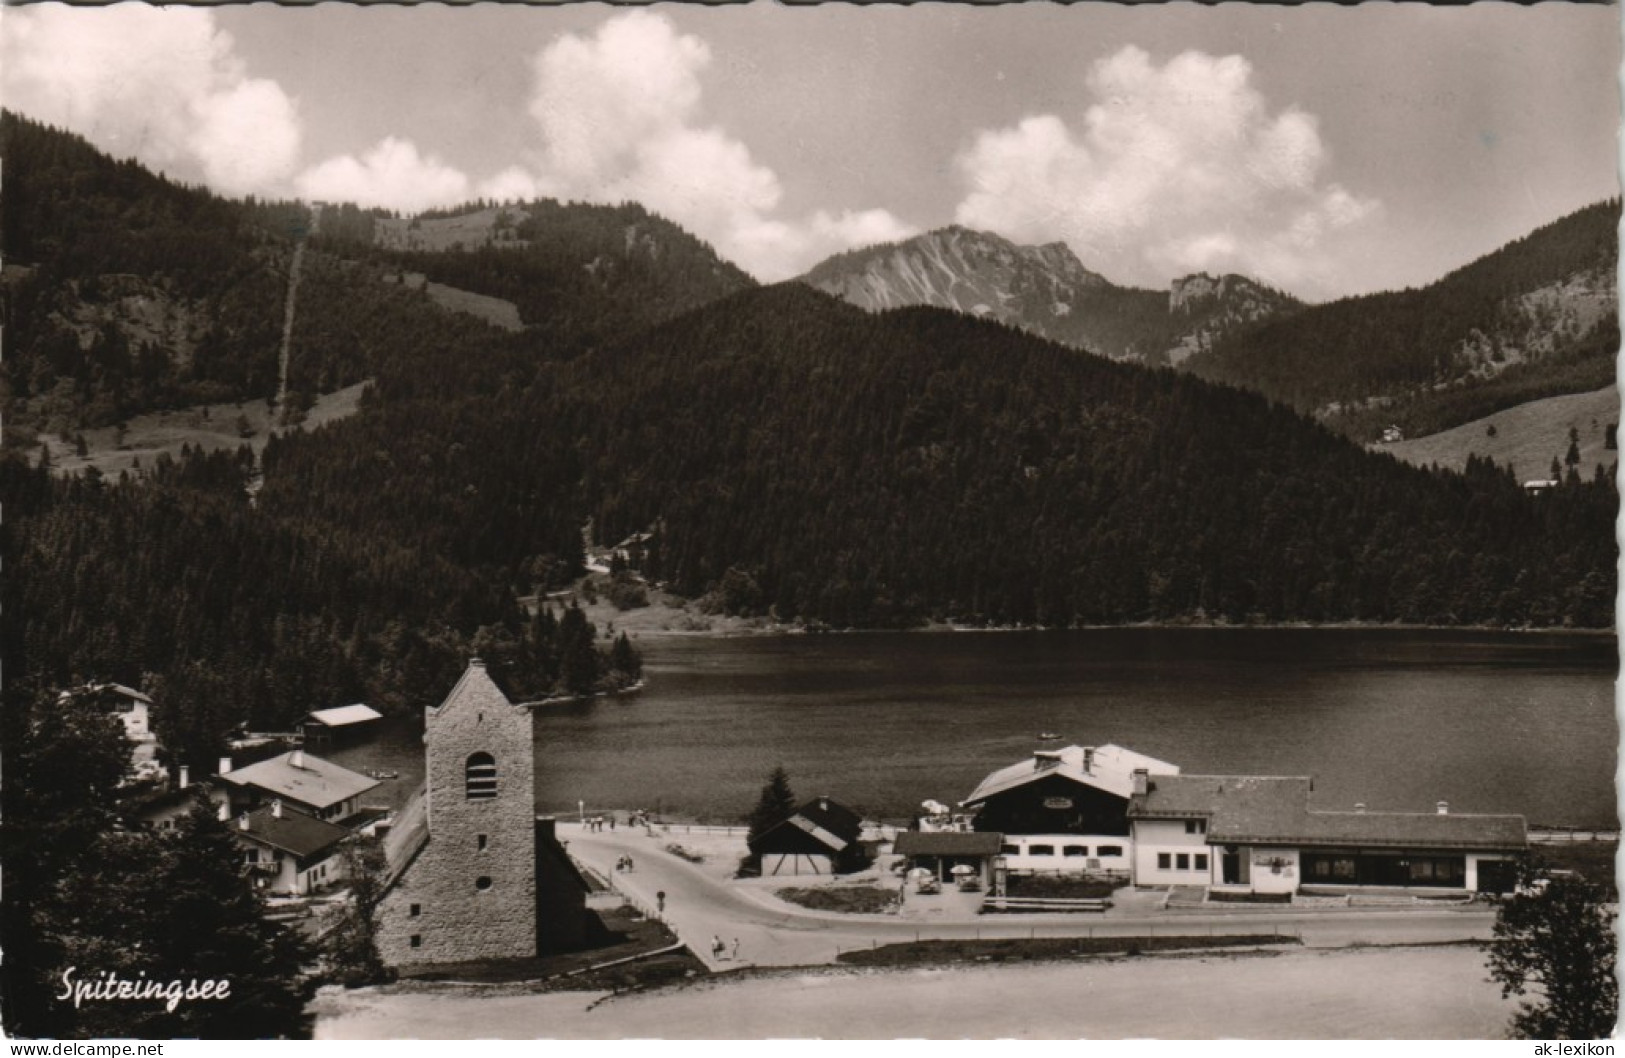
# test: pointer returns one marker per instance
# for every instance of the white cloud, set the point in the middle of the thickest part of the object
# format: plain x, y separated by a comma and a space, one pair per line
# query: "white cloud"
513, 184
621, 118
1172, 168
163, 85
619, 112
392, 175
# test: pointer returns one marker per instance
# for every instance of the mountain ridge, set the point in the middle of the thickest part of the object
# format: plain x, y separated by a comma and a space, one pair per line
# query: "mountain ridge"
1047, 290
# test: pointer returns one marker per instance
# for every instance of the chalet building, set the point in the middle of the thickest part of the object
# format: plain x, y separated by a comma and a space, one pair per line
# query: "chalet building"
1111, 811
134, 711
134, 708
302, 782
821, 837
287, 851
341, 726
473, 872
1064, 810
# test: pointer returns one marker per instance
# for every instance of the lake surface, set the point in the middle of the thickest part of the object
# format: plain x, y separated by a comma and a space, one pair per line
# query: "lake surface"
1491, 722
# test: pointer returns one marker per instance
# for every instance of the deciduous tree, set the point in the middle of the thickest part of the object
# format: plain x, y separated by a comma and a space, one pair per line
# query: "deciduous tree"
1554, 942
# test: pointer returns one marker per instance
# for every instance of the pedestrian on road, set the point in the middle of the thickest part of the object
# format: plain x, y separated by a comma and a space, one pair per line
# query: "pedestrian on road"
629, 867
660, 901
736, 949
612, 822
717, 947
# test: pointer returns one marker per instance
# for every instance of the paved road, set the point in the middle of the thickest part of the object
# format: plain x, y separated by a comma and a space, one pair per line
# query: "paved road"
699, 907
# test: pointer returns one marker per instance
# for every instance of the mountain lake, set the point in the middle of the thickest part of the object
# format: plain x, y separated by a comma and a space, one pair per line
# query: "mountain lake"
1398, 719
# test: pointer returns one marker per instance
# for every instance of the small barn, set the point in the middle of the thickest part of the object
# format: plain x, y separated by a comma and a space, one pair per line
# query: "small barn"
340, 726
820, 837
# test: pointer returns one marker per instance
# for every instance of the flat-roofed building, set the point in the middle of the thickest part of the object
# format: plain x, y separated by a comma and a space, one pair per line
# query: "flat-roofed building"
1260, 834
341, 725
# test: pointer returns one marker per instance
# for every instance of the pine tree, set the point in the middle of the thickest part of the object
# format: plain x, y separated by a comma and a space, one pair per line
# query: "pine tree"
624, 658
213, 925
578, 658
65, 759
776, 804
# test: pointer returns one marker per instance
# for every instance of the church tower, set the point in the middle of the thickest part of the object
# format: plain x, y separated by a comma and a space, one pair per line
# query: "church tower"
463, 854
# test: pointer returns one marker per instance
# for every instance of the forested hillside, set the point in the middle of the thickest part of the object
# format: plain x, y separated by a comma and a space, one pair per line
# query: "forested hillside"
124, 292
801, 456
857, 470
580, 274
1534, 319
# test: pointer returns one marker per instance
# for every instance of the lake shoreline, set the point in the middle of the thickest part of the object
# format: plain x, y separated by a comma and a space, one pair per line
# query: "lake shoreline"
658, 624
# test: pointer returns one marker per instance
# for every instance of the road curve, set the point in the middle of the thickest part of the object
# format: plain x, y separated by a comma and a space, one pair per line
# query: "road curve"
701, 909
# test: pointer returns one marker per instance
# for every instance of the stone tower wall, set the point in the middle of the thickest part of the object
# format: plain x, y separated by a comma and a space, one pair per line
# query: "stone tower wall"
455, 919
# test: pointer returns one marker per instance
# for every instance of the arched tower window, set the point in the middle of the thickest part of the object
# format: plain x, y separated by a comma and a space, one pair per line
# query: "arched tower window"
481, 777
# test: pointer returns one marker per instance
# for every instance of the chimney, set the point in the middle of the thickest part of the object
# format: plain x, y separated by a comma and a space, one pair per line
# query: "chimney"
276, 808
1142, 782
186, 777
1088, 760
823, 804
1444, 808
242, 821
1360, 807
225, 766
296, 759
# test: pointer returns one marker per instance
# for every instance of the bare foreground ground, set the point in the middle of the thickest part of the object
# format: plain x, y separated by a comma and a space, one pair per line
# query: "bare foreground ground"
1371, 993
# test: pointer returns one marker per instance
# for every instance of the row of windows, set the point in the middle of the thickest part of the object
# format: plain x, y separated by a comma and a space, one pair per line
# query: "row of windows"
1181, 861
1066, 850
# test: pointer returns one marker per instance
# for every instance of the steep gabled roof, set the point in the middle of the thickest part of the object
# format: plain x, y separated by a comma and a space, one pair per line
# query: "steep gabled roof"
477, 688
1110, 768
298, 776
827, 822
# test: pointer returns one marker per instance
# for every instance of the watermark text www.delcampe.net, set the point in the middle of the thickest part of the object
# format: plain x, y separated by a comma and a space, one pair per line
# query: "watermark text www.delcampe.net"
90, 1050
1573, 1050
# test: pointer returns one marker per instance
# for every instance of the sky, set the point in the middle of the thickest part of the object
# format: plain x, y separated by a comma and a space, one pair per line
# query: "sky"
1325, 150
